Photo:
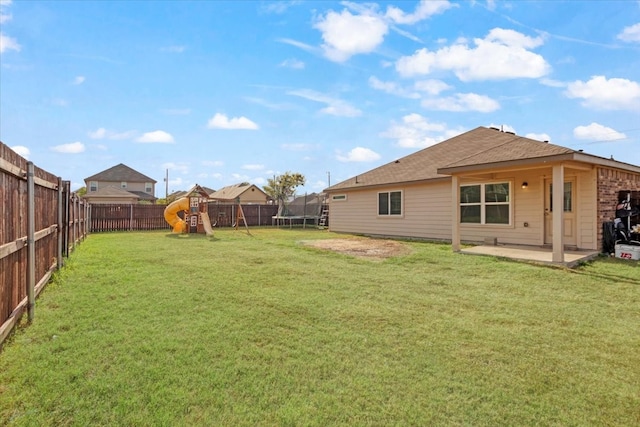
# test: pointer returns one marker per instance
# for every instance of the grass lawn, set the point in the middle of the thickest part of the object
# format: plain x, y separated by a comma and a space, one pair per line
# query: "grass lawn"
156, 329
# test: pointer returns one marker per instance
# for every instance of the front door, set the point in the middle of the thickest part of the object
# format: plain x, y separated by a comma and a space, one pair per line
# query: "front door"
569, 216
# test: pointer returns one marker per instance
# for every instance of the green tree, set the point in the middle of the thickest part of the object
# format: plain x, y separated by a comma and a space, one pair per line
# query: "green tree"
283, 187
81, 191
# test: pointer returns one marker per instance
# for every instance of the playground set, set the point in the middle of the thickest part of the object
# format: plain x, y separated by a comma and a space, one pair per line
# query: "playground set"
195, 214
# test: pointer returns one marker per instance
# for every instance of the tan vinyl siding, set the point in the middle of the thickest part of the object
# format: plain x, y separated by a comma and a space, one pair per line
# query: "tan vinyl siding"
526, 207
426, 212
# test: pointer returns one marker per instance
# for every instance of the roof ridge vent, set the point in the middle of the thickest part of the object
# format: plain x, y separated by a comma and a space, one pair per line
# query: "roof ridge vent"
512, 133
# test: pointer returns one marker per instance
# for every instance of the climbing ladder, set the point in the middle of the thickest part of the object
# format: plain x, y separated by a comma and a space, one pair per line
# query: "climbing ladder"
324, 217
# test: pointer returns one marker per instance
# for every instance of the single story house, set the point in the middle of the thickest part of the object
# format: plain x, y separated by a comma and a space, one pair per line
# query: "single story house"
487, 185
123, 177
243, 193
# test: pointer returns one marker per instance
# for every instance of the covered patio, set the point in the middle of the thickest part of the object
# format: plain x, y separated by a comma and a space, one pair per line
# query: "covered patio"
534, 254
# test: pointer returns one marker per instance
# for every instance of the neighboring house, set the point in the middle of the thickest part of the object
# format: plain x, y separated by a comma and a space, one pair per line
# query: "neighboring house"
243, 193
485, 185
179, 194
120, 177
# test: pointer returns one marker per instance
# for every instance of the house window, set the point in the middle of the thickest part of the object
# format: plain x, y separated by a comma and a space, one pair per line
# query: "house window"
485, 203
390, 203
93, 186
148, 187
339, 198
123, 184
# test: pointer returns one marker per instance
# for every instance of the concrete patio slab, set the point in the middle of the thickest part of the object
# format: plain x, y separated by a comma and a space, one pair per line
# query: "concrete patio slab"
534, 254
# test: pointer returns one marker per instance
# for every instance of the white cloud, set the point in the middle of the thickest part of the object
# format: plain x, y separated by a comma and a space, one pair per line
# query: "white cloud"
181, 167
22, 151
335, 107
346, 35
292, 63
253, 167
5, 17
431, 86
299, 45
221, 121
212, 163
278, 7
71, 148
359, 154
602, 94
392, 88
296, 147
7, 43
156, 136
552, 83
462, 102
425, 9
239, 177
631, 33
538, 136
597, 132
502, 54
415, 131
102, 133
79, 80
59, 102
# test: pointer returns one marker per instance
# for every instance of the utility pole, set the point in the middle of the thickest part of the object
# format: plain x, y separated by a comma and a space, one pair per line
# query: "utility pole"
166, 185
328, 179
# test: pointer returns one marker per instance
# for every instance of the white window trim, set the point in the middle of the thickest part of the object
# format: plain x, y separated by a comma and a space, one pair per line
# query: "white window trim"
483, 203
91, 186
390, 215
123, 184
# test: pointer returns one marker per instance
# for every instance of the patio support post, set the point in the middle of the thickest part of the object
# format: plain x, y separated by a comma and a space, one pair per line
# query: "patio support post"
558, 213
455, 214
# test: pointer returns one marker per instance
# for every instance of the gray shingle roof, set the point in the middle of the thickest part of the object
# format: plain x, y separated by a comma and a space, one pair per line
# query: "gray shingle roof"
478, 146
112, 192
120, 172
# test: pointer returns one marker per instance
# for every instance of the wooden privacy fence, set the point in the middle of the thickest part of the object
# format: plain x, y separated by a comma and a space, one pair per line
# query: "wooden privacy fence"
40, 222
134, 217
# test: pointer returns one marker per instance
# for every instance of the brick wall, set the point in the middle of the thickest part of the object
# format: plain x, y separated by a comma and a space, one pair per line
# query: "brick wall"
610, 183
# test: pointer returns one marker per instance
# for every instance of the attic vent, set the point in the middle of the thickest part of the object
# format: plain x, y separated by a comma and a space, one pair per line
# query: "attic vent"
397, 161
547, 141
495, 129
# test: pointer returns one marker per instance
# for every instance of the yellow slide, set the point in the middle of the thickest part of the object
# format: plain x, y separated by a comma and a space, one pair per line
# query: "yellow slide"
171, 214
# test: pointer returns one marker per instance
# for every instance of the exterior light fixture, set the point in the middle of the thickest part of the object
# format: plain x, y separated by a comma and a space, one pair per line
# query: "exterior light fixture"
525, 184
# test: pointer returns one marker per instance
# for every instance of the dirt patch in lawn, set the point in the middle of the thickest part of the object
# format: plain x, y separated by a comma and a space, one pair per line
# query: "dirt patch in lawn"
375, 249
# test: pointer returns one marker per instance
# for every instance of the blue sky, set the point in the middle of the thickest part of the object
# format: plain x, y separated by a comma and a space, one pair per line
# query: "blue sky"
222, 92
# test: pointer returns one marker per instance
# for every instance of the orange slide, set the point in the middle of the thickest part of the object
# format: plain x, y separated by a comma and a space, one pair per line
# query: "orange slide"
171, 214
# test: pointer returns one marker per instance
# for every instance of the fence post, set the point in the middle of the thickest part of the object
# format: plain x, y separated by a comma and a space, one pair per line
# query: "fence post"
60, 225
31, 242
131, 217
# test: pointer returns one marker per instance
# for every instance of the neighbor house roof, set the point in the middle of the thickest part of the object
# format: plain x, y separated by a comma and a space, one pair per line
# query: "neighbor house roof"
111, 192
477, 149
120, 172
232, 192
